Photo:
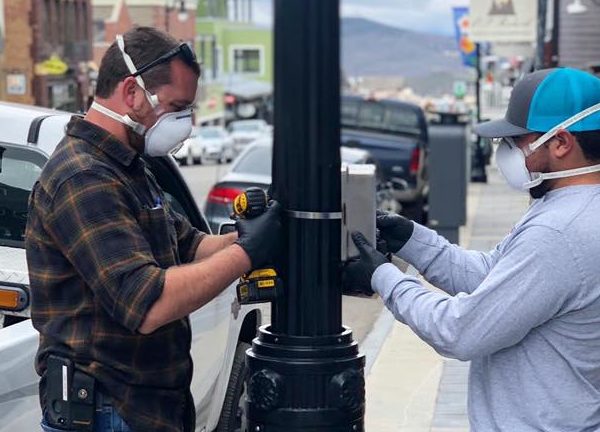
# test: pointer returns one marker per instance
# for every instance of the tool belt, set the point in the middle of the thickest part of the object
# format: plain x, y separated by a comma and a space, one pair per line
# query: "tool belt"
70, 395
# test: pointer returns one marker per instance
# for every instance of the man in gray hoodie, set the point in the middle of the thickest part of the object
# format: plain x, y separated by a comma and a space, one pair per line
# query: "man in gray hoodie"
526, 314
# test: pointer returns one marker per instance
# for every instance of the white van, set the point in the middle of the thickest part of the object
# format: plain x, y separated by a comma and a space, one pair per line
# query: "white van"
221, 330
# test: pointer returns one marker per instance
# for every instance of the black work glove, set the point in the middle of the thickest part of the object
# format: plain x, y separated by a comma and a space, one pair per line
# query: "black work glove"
370, 258
356, 280
260, 237
394, 229
381, 244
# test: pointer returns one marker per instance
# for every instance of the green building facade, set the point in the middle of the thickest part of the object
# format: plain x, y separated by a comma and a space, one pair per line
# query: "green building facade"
230, 51
241, 49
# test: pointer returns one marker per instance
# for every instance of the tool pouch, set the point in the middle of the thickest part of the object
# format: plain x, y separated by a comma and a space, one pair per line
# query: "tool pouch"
70, 397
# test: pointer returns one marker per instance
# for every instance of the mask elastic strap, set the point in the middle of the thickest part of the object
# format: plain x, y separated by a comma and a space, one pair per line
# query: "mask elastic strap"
137, 127
540, 177
153, 99
564, 125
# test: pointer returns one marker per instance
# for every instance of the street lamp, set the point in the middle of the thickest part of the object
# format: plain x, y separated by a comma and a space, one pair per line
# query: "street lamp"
170, 6
305, 372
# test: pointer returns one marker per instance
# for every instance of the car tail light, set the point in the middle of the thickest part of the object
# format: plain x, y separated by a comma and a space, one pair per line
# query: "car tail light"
13, 298
415, 160
223, 195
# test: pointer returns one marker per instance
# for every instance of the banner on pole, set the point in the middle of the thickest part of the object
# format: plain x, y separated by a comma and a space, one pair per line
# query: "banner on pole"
462, 29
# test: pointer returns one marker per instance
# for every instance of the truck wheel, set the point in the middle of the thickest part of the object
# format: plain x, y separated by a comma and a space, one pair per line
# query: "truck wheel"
232, 414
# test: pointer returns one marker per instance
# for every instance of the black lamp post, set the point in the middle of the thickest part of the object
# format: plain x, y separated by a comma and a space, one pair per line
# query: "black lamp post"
172, 5
304, 370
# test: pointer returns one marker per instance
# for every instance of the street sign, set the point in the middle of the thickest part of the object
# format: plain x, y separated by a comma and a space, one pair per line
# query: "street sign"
460, 89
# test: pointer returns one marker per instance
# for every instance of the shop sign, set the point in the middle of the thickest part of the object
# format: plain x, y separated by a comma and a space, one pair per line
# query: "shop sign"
504, 20
53, 66
16, 84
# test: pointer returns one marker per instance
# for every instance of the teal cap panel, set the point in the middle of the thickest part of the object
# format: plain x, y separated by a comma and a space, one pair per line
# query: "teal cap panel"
562, 94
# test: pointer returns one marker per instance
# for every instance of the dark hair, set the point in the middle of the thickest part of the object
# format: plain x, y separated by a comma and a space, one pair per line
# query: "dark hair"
143, 44
589, 142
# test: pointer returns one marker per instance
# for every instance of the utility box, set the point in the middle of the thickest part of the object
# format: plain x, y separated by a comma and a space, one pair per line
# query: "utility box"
358, 205
449, 156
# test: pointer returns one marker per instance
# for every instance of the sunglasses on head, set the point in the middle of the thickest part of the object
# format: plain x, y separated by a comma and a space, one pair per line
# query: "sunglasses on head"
184, 49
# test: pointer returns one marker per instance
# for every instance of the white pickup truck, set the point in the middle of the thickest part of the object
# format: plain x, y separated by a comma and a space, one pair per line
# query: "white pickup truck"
221, 331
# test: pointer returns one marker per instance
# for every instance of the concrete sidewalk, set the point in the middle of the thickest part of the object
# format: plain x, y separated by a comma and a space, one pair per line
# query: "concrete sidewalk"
409, 386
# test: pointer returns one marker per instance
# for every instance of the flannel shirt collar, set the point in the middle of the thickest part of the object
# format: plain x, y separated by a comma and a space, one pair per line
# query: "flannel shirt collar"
102, 139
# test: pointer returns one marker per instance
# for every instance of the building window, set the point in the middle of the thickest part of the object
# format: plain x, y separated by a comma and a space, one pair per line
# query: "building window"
60, 18
248, 60
69, 20
99, 31
51, 20
218, 60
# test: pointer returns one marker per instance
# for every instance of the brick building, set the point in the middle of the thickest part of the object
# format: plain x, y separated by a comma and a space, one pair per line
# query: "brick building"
111, 17
47, 53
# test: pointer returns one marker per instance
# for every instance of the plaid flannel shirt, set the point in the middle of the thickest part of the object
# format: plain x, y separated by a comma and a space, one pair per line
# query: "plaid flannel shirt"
100, 236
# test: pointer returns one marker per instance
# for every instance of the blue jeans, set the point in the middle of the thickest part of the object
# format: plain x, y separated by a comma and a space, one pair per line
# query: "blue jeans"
106, 419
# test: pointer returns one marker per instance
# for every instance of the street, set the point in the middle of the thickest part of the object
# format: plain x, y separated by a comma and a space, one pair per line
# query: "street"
358, 313
200, 179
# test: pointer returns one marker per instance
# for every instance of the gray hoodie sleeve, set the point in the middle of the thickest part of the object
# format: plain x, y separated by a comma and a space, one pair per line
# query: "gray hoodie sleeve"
445, 265
530, 284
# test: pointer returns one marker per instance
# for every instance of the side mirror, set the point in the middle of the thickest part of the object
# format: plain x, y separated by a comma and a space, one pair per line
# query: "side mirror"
226, 228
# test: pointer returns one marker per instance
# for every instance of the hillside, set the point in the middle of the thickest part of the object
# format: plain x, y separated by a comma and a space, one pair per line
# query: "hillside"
429, 63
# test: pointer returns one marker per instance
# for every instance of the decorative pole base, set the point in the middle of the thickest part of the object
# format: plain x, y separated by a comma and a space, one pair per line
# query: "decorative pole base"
300, 383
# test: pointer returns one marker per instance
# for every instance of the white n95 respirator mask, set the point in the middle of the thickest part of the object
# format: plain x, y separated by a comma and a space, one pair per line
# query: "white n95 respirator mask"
510, 159
168, 132
164, 136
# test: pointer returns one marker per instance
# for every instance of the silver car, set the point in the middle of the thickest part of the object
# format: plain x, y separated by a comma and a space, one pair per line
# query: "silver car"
207, 143
244, 132
253, 168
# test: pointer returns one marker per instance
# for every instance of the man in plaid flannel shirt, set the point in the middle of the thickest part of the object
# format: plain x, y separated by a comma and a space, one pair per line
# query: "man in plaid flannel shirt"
114, 270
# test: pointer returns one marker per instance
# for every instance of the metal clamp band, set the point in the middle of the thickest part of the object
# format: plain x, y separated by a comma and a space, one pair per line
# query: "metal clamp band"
314, 215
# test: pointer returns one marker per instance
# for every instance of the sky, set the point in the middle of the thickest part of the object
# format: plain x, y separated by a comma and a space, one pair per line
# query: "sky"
431, 16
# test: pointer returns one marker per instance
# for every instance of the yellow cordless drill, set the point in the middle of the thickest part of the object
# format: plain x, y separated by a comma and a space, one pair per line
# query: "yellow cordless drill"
260, 285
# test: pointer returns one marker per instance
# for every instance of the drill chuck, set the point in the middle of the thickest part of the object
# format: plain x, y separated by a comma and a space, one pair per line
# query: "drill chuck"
250, 203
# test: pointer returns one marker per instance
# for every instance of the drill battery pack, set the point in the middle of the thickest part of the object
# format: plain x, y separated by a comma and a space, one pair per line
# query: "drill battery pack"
259, 286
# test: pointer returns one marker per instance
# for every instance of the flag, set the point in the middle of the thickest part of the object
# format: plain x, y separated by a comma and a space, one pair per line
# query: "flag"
462, 27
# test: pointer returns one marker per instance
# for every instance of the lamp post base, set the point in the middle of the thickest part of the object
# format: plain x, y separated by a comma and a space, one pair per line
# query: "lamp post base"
309, 384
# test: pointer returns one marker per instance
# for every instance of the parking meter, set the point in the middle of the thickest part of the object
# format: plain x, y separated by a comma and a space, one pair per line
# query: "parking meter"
448, 174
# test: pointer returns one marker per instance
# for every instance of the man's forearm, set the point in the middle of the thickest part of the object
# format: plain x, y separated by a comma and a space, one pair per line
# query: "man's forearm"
212, 244
189, 287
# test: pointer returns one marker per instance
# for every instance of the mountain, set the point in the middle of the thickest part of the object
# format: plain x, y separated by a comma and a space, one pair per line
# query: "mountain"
429, 63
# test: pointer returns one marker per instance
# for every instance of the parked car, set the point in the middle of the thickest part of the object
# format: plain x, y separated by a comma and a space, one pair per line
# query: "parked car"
221, 330
395, 133
190, 151
246, 131
253, 168
207, 143
217, 144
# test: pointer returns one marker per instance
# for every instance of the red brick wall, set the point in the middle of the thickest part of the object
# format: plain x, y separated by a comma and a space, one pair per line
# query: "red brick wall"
112, 29
183, 30
18, 47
